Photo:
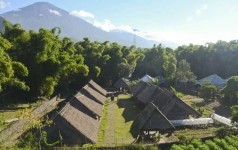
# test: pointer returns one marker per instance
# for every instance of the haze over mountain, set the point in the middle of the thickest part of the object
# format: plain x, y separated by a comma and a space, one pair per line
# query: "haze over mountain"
46, 15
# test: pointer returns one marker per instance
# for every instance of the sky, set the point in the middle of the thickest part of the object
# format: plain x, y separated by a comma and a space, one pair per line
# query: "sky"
178, 21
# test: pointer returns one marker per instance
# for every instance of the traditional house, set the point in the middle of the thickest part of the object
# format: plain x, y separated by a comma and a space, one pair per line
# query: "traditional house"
138, 88
76, 124
97, 87
92, 105
78, 120
213, 79
147, 79
123, 84
93, 94
152, 119
168, 104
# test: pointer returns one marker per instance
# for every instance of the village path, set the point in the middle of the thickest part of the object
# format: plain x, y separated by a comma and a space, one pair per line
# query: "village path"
110, 131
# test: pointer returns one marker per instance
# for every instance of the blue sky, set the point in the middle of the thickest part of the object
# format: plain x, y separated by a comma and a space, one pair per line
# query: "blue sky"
179, 21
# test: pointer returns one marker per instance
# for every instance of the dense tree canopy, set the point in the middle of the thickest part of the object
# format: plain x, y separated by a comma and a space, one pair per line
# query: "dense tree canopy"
208, 90
230, 91
11, 72
158, 61
43, 62
214, 58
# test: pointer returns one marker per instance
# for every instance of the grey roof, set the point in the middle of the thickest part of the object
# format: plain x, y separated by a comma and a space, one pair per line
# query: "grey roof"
147, 78
214, 79
145, 96
138, 88
122, 83
152, 119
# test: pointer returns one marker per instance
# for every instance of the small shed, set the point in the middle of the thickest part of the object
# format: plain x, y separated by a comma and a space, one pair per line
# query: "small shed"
147, 79
122, 83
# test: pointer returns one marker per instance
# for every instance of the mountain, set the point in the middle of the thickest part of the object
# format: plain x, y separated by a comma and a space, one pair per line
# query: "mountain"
46, 15
1, 24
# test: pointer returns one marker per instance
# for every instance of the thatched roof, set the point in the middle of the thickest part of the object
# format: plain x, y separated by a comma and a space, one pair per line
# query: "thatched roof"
145, 96
152, 119
78, 119
169, 104
138, 88
214, 79
89, 103
180, 109
97, 87
122, 83
93, 94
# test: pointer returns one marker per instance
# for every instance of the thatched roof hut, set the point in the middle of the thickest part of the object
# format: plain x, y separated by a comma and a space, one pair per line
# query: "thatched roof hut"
92, 105
178, 109
138, 88
152, 119
75, 123
122, 83
93, 94
97, 87
78, 119
146, 95
168, 103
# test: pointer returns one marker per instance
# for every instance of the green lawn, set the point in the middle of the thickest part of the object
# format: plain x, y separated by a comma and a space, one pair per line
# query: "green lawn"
116, 122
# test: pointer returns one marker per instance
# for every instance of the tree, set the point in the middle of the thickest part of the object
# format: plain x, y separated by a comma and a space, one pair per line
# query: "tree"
208, 90
184, 73
11, 71
234, 115
230, 91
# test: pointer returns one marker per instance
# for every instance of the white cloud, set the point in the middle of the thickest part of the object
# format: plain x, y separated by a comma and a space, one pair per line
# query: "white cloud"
232, 9
55, 12
82, 13
200, 10
2, 4
188, 19
41, 15
106, 25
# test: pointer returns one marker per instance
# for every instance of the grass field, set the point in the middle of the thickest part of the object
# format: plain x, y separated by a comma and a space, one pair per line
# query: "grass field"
116, 123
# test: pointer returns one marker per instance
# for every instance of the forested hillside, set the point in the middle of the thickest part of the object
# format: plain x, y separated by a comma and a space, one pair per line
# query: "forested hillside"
41, 63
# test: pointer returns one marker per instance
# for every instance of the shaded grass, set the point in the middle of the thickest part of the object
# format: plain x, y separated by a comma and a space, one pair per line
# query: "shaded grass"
126, 111
103, 123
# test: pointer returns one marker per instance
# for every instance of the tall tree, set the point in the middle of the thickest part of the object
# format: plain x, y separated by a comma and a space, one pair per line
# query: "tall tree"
230, 91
